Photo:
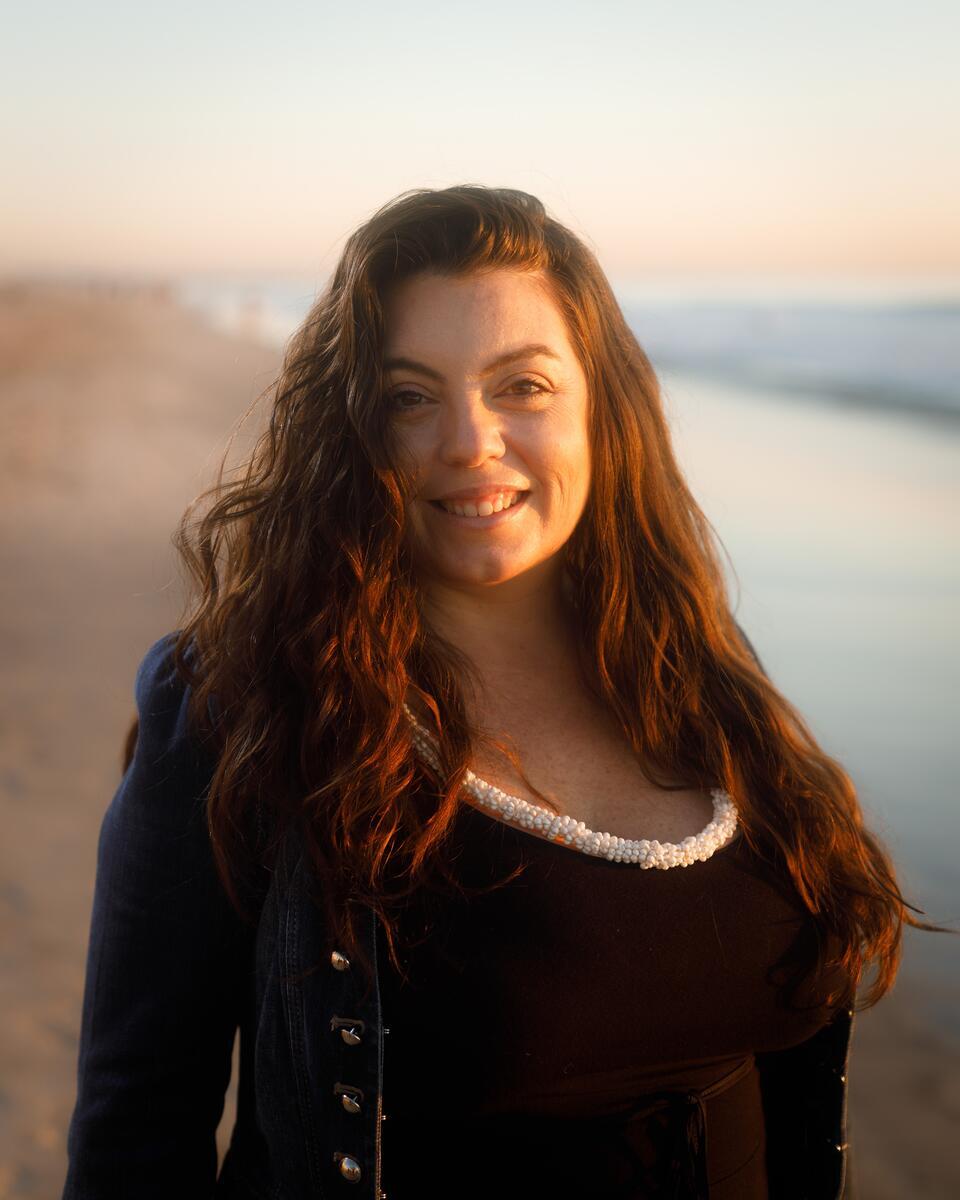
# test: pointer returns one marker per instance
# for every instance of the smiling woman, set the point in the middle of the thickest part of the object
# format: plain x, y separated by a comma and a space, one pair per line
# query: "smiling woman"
461, 792
490, 411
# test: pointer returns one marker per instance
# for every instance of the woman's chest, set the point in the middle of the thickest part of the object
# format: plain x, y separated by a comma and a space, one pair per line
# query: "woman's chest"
572, 751
583, 978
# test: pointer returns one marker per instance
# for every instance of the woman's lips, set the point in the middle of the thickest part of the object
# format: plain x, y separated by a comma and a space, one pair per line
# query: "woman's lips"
486, 521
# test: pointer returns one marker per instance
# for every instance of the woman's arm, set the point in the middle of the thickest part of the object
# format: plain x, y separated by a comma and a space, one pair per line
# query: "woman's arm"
167, 964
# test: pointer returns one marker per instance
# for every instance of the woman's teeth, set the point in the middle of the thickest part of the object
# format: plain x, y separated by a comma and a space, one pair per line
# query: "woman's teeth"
484, 509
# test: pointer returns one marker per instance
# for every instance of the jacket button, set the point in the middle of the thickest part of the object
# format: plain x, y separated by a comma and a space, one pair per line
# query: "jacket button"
349, 1168
339, 960
349, 1102
350, 1036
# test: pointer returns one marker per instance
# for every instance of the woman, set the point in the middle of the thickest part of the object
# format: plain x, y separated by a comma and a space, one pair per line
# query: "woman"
462, 565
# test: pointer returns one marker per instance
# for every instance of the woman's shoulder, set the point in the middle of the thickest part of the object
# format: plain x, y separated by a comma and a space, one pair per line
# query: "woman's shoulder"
158, 680
170, 753
163, 692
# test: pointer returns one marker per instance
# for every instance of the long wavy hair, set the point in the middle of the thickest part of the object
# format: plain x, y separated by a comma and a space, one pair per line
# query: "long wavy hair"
304, 632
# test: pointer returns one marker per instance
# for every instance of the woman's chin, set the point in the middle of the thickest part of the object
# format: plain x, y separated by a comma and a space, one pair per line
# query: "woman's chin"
475, 570
480, 575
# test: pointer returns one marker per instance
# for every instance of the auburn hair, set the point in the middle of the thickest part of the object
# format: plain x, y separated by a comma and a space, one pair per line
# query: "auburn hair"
303, 634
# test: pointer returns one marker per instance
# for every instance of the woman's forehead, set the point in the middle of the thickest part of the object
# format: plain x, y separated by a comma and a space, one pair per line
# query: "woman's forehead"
473, 316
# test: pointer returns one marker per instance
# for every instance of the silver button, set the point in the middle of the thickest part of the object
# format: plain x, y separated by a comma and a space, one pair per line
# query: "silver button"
349, 1102
349, 1168
339, 960
350, 1097
350, 1028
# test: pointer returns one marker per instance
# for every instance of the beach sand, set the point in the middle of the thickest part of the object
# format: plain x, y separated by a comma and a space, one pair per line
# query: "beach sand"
116, 407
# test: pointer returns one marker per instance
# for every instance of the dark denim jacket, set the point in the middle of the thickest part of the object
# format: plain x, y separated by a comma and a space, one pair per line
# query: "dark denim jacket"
172, 973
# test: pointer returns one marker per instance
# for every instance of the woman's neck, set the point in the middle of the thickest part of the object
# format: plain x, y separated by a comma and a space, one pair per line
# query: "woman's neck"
521, 626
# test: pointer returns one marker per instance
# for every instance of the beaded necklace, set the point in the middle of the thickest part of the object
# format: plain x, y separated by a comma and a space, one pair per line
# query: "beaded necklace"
566, 830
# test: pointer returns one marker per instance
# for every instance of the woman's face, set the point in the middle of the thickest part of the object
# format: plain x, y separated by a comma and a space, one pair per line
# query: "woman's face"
488, 402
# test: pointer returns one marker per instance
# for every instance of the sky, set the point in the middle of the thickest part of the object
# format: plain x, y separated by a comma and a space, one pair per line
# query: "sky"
686, 137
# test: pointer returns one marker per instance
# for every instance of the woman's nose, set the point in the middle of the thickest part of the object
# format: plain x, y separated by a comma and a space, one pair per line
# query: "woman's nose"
469, 432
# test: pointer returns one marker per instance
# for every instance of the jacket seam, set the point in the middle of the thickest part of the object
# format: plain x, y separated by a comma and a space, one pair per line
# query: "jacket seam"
296, 1037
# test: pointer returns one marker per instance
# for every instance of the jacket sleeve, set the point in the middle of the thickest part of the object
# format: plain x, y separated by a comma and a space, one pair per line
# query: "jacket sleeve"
166, 968
804, 1091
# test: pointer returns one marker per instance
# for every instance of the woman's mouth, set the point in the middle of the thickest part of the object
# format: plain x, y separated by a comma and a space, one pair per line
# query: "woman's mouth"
484, 512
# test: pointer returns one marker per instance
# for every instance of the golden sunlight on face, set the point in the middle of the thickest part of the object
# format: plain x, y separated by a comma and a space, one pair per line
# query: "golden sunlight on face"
488, 402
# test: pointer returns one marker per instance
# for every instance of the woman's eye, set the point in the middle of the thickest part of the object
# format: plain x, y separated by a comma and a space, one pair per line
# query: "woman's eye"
410, 400
530, 386
404, 401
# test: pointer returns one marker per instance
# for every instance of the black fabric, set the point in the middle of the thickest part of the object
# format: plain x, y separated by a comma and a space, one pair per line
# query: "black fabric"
562, 1032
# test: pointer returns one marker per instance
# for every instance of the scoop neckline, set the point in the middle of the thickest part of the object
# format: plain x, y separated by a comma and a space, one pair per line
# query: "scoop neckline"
561, 845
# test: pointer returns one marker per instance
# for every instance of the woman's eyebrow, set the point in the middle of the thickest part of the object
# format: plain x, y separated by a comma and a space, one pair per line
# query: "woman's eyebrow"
503, 360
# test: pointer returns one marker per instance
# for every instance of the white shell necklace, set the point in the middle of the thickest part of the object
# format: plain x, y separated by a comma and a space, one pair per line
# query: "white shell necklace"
566, 830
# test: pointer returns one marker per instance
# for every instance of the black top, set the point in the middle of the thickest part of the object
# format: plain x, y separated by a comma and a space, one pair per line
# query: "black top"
555, 1032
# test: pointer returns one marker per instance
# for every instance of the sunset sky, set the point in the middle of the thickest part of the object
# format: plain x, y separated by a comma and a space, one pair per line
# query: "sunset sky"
707, 136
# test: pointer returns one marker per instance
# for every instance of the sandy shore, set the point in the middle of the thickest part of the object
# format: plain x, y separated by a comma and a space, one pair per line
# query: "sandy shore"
116, 409
116, 406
